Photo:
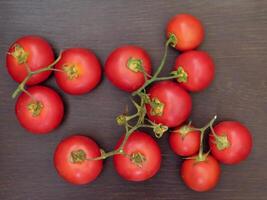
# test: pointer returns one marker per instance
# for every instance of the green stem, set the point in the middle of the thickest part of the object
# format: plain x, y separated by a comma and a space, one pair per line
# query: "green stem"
105, 155
21, 86
48, 68
128, 118
120, 149
147, 126
159, 69
213, 133
202, 132
128, 133
138, 125
200, 153
166, 78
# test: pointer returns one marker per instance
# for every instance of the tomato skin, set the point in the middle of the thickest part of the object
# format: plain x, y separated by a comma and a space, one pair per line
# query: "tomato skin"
201, 176
89, 71
240, 140
186, 145
188, 30
199, 68
77, 173
120, 75
144, 144
51, 113
177, 103
40, 56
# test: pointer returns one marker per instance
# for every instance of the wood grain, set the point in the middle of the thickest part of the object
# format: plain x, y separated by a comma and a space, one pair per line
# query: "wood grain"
236, 38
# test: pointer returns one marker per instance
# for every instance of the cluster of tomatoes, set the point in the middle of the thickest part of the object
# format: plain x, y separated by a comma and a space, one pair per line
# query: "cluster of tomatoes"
165, 101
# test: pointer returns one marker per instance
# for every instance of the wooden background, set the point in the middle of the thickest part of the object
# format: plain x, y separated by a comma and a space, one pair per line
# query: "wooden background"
236, 36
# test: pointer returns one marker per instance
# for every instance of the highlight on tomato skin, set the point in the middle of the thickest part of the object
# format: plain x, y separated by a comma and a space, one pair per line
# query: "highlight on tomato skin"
79, 71
188, 31
40, 111
72, 159
196, 70
233, 142
32, 52
125, 67
143, 160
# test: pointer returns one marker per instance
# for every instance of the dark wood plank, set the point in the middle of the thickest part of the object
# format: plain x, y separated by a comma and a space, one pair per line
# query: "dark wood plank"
236, 38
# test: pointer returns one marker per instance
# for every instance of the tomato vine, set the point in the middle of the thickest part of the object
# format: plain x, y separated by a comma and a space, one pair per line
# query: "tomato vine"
140, 115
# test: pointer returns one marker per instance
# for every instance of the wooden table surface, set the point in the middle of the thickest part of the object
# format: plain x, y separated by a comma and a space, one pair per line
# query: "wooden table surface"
236, 36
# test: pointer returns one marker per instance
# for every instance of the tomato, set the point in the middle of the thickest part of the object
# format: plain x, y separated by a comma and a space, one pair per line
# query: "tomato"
82, 71
33, 52
183, 141
201, 176
234, 143
42, 111
196, 70
170, 104
187, 29
124, 67
71, 159
143, 160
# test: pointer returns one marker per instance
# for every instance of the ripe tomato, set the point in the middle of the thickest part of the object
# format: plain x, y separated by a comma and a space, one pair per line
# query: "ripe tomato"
71, 159
184, 142
170, 104
32, 51
234, 143
188, 31
196, 70
42, 111
142, 160
124, 67
82, 71
201, 176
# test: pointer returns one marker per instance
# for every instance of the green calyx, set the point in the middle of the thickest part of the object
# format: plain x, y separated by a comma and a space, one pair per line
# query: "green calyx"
71, 71
222, 142
103, 153
121, 120
35, 108
138, 159
157, 107
135, 65
20, 54
184, 130
172, 39
202, 157
145, 97
159, 130
181, 75
78, 156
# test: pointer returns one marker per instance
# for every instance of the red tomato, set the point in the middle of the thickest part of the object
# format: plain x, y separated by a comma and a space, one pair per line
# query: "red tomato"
234, 143
184, 142
188, 30
123, 67
82, 71
32, 51
171, 105
201, 176
71, 159
42, 112
143, 160
196, 70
